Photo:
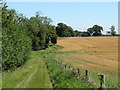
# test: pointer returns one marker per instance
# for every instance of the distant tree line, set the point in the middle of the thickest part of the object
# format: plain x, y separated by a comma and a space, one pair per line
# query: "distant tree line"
66, 31
62, 30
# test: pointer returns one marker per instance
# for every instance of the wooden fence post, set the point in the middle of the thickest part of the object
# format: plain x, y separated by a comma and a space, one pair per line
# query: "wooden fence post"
69, 67
86, 75
65, 66
102, 81
78, 71
47, 66
78, 74
86, 72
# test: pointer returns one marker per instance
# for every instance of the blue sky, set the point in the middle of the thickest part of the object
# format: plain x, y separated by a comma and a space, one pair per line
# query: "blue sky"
78, 15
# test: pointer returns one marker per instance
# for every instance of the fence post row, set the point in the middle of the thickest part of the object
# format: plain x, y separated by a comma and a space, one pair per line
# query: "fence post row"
101, 77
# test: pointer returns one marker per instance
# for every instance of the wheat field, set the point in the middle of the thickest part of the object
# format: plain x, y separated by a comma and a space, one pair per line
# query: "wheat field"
97, 54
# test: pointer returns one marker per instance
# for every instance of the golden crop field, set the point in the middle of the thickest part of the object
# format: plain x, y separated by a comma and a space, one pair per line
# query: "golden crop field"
97, 54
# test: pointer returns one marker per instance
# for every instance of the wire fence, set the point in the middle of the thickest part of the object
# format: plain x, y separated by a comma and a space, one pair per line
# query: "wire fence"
79, 75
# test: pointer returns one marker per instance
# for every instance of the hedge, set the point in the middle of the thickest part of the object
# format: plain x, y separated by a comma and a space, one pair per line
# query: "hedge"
16, 47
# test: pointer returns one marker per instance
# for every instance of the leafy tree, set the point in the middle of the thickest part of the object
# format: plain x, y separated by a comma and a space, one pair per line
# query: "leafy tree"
51, 35
69, 32
113, 32
60, 29
95, 30
90, 31
64, 31
42, 33
77, 33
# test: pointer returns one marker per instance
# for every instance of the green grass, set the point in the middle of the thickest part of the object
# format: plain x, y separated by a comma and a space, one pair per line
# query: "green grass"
93, 47
60, 77
33, 74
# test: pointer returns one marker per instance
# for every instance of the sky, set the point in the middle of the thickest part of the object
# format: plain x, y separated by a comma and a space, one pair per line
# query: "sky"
78, 15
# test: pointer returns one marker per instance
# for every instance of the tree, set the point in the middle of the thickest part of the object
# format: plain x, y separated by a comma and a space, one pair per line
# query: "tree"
60, 29
113, 32
42, 33
63, 30
76, 33
90, 31
95, 30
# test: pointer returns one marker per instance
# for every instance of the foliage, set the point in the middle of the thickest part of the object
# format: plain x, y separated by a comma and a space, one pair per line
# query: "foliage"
90, 31
113, 32
21, 34
81, 33
95, 30
41, 32
84, 34
16, 46
77, 33
63, 30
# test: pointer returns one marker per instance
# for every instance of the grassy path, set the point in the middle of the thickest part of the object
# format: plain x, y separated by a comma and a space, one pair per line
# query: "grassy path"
33, 74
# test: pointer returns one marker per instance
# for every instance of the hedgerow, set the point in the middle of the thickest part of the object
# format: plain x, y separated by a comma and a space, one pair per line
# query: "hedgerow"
16, 45
20, 35
15, 49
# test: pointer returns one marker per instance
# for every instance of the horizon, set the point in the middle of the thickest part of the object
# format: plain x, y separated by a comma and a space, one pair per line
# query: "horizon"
78, 15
